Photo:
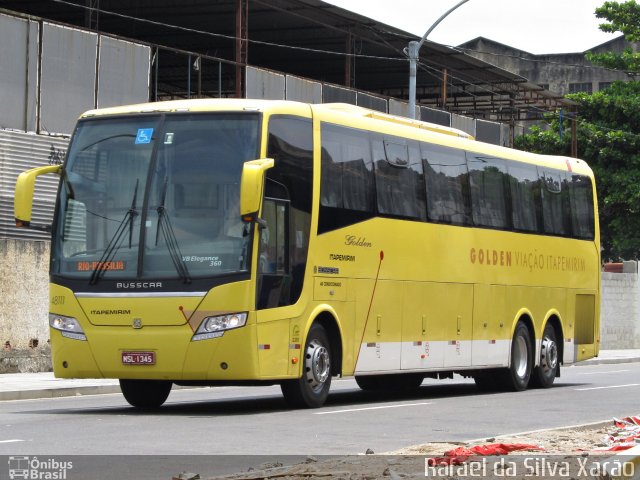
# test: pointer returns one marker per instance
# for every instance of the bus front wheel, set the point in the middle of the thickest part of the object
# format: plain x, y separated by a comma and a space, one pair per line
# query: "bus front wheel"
312, 388
145, 393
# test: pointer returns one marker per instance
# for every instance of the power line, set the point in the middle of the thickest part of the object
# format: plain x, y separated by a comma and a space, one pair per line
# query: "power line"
306, 49
227, 37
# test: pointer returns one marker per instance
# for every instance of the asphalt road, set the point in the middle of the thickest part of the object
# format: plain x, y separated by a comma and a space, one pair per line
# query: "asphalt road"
243, 421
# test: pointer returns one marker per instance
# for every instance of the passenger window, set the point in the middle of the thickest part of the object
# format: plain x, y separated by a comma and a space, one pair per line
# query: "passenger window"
447, 181
582, 214
487, 186
399, 178
347, 189
555, 206
346, 169
524, 187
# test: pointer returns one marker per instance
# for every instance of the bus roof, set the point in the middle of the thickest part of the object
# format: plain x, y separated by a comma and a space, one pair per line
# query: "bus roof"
355, 116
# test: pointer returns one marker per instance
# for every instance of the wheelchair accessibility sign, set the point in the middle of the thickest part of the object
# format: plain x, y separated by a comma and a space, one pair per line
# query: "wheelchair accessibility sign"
144, 136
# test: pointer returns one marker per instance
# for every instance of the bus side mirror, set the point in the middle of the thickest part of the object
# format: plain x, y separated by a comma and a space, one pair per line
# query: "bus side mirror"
252, 186
23, 202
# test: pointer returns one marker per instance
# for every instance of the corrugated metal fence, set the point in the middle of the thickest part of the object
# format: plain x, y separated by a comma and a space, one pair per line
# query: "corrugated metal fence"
19, 152
50, 74
266, 84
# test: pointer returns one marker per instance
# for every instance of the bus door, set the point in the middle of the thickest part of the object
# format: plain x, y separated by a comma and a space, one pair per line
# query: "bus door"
283, 240
273, 286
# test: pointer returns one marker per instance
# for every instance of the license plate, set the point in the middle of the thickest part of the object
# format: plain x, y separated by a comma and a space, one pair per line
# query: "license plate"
138, 358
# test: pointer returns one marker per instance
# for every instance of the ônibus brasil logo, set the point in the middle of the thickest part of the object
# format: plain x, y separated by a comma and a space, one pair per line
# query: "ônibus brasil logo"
32, 468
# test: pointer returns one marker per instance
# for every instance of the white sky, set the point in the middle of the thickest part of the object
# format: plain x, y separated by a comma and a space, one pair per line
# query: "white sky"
535, 26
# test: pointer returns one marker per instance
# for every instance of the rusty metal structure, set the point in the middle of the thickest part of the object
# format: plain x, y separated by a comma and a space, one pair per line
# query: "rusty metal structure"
202, 47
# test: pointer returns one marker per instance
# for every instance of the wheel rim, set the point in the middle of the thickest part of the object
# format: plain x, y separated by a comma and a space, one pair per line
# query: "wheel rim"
317, 365
521, 357
549, 357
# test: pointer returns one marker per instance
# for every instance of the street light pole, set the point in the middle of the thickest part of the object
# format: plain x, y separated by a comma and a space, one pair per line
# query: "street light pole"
412, 52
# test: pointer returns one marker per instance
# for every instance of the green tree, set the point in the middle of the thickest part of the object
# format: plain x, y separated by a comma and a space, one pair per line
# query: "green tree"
621, 17
608, 138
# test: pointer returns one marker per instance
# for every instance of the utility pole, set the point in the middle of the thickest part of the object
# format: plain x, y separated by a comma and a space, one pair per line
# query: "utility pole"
412, 52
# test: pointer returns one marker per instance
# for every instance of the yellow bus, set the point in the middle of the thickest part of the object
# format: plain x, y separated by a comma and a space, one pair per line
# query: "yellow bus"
213, 242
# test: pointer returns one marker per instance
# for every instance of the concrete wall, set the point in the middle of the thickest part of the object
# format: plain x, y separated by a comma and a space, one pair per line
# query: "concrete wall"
620, 311
557, 71
24, 305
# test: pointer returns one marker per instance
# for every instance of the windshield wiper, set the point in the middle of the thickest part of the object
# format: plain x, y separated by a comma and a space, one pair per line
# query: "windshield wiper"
111, 137
164, 226
116, 240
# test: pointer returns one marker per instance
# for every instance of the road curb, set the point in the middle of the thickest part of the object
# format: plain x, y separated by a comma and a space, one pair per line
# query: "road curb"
58, 392
61, 392
606, 361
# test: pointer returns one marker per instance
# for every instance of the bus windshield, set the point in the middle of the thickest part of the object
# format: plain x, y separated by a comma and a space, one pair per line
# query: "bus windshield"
155, 197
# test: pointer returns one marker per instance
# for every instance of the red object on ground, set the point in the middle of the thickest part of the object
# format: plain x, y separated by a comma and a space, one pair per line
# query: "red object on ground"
618, 448
460, 455
626, 422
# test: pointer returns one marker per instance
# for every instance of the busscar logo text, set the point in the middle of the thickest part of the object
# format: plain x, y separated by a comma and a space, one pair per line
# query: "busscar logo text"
134, 285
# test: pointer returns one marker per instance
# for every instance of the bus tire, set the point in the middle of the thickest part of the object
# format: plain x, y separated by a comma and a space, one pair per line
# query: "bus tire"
146, 394
403, 382
516, 377
545, 374
312, 388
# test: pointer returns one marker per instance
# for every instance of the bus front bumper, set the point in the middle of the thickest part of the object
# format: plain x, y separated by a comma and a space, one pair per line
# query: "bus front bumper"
169, 350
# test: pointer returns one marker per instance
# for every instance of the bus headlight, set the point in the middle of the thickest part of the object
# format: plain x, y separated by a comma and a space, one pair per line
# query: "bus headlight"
68, 326
214, 327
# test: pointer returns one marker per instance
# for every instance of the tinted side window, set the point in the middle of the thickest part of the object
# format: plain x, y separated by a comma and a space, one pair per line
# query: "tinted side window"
555, 205
582, 214
524, 187
399, 178
447, 179
291, 179
347, 189
487, 185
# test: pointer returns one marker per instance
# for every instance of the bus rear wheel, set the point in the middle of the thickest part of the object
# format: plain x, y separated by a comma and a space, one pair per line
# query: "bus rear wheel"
312, 388
545, 374
516, 377
146, 394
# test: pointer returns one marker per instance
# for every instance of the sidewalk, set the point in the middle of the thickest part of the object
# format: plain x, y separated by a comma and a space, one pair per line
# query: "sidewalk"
22, 386
613, 356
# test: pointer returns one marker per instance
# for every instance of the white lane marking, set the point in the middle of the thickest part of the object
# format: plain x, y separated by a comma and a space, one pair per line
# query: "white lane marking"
598, 373
610, 386
15, 440
373, 408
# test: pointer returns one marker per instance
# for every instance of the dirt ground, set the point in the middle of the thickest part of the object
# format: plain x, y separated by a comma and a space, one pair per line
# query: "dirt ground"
567, 453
